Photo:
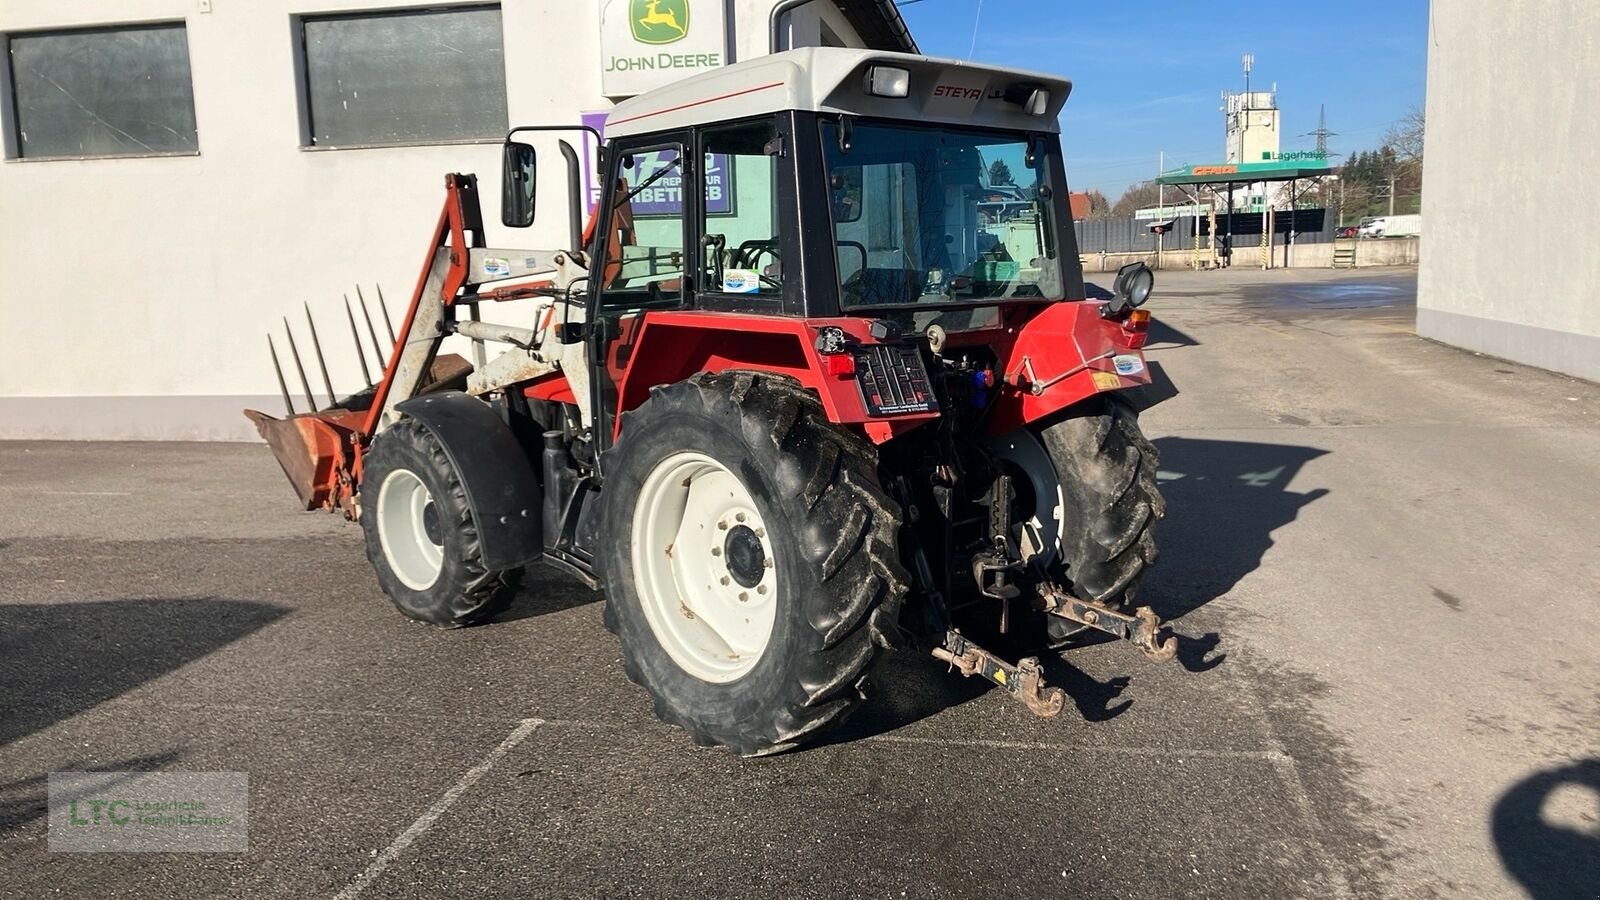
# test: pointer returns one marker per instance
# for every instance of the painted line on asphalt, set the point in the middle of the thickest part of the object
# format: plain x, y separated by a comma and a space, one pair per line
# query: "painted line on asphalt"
1275, 331
439, 807
1300, 796
1276, 757
406, 714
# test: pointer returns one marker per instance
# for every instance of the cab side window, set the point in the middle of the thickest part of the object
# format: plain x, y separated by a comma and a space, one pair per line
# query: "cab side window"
739, 217
644, 263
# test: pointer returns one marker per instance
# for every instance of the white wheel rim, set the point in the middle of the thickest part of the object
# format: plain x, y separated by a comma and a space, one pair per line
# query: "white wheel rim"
1040, 533
710, 597
404, 519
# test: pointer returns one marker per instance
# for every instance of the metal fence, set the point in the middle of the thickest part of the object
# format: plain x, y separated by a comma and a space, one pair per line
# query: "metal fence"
1311, 226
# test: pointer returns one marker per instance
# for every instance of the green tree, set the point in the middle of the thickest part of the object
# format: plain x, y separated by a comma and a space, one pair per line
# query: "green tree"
1000, 173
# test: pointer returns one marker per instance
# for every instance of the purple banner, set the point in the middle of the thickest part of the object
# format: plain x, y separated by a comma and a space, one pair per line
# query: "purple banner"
665, 196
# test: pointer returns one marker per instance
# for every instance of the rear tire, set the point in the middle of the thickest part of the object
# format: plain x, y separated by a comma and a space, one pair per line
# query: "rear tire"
1110, 503
421, 538
828, 560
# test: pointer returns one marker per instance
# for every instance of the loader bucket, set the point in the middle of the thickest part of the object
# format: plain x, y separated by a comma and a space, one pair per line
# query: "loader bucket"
312, 449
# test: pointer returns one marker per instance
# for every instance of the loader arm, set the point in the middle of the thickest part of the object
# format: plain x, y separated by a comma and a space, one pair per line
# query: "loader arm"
457, 264
321, 450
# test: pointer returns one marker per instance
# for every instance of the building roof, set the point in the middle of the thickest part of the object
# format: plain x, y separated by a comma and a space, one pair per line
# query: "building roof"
879, 24
831, 80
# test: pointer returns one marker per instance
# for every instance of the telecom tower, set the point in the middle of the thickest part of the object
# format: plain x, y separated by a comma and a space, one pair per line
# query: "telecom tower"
1251, 119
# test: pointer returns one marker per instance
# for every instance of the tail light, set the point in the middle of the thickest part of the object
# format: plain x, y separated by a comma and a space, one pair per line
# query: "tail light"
1137, 326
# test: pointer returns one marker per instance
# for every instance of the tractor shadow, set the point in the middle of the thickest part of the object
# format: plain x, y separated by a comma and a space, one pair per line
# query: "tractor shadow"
27, 799
1546, 829
546, 591
1225, 502
60, 659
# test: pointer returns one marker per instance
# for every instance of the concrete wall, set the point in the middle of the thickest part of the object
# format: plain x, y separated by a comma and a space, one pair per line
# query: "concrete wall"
136, 293
1511, 139
1369, 254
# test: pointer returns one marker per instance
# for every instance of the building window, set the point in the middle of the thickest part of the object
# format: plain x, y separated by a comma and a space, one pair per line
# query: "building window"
408, 77
101, 92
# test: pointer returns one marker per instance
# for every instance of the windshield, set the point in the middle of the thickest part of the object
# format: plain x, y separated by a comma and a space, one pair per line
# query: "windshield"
931, 216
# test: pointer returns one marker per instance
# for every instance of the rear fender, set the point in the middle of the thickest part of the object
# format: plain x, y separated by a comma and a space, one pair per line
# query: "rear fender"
671, 346
1062, 356
501, 485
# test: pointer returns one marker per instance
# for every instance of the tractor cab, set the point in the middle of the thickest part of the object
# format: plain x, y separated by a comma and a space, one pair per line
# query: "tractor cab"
820, 184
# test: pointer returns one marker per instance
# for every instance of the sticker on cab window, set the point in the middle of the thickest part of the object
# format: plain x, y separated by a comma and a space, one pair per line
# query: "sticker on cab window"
741, 281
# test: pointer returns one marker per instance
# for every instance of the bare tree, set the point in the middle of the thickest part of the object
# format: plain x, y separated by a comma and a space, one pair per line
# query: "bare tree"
1406, 138
1099, 206
1137, 196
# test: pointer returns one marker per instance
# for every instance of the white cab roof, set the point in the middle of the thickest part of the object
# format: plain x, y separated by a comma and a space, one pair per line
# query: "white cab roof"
832, 80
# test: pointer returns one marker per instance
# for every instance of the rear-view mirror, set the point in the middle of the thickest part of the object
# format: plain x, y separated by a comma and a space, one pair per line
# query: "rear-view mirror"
844, 184
518, 179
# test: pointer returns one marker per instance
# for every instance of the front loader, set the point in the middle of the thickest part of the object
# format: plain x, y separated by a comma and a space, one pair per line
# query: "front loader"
818, 380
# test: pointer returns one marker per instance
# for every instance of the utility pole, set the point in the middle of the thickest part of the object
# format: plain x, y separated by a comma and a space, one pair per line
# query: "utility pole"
1391, 193
1161, 204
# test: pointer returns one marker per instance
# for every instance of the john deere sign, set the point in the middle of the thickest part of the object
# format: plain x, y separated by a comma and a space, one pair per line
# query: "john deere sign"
659, 21
647, 43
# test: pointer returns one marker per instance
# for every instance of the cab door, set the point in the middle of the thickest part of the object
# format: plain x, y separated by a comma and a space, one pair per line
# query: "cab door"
640, 261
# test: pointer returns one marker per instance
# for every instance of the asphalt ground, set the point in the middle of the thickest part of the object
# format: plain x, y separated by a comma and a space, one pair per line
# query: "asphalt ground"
1381, 553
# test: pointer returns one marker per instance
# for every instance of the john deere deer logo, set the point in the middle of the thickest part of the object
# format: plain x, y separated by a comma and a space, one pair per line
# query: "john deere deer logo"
658, 21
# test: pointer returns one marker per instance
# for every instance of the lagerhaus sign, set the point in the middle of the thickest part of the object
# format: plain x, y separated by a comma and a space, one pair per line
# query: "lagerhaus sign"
647, 43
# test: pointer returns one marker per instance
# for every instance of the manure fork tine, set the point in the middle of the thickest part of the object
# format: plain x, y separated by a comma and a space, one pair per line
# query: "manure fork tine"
384, 307
295, 352
355, 334
383, 358
283, 386
316, 347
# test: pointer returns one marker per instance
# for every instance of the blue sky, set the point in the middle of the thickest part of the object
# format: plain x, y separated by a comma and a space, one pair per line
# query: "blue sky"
1147, 76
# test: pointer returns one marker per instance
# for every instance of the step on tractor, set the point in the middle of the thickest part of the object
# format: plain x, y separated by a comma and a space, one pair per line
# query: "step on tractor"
818, 378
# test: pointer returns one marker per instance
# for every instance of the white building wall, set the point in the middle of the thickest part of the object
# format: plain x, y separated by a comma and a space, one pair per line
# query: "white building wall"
1510, 144
136, 293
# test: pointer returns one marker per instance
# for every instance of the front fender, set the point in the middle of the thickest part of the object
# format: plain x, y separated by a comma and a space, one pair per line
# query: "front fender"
499, 480
1061, 356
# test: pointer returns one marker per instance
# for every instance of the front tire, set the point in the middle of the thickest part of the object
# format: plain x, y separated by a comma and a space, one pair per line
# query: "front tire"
420, 534
1110, 503
750, 560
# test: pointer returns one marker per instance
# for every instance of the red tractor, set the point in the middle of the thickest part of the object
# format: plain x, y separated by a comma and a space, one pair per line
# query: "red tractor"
801, 393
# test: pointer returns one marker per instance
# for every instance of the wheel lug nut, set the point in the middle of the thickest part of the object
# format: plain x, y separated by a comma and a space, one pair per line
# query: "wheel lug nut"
761, 532
739, 516
716, 551
744, 595
722, 524
724, 579
761, 589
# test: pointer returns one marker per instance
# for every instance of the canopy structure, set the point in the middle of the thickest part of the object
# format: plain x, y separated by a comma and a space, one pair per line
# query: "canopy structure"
1309, 166
1244, 173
